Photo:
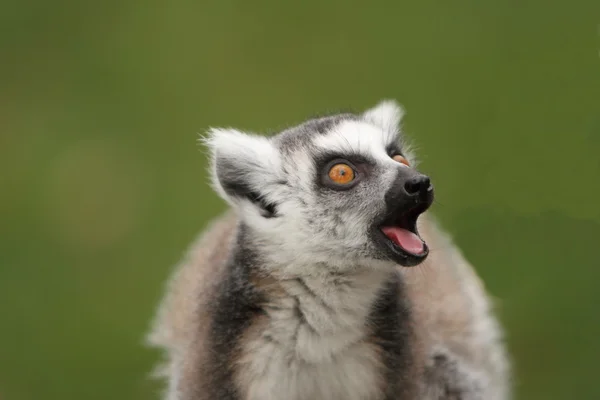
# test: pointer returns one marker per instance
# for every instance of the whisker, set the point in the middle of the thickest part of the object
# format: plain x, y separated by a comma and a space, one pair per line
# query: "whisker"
436, 202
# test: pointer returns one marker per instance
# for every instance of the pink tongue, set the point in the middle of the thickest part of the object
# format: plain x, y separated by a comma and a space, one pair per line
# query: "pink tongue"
405, 239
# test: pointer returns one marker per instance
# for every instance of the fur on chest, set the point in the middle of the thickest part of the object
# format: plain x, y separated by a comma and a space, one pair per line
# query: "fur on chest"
314, 341
269, 370
332, 337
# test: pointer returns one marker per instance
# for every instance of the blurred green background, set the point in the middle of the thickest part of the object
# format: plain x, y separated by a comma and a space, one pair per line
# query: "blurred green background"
102, 182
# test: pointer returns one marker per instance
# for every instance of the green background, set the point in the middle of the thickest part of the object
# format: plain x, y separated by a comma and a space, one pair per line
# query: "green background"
102, 182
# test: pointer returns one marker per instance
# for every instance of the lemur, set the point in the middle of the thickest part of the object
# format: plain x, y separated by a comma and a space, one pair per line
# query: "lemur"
326, 279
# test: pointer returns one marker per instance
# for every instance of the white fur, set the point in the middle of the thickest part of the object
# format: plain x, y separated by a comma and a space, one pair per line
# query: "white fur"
320, 355
358, 137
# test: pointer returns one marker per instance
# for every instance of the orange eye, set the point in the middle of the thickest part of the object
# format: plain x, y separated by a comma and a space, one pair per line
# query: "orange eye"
401, 160
341, 174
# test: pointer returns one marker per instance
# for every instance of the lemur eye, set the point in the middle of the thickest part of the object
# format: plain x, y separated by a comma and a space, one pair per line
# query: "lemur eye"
341, 174
401, 160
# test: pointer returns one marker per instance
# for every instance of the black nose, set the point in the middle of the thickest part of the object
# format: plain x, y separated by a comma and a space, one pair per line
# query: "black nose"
417, 185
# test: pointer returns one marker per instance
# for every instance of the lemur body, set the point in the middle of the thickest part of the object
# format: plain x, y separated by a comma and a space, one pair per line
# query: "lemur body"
304, 291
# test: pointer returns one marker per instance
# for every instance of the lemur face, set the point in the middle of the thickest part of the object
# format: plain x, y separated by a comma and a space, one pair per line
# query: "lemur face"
337, 190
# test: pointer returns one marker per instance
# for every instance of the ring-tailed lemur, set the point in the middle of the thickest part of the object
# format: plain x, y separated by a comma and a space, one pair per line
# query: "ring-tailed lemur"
303, 291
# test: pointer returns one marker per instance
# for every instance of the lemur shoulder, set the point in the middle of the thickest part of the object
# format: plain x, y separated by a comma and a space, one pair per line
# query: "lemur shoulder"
327, 279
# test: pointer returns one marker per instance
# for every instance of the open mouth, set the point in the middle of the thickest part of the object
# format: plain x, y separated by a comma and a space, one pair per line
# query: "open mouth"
399, 236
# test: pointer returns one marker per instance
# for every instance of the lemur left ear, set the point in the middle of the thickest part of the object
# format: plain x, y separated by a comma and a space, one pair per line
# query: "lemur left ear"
244, 168
387, 115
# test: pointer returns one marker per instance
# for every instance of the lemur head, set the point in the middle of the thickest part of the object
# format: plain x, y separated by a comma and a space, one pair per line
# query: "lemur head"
337, 191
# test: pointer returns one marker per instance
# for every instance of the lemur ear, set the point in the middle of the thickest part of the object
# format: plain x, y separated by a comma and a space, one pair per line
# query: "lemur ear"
387, 115
244, 168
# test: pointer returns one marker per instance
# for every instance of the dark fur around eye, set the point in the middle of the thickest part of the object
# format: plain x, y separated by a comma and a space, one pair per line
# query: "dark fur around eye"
394, 149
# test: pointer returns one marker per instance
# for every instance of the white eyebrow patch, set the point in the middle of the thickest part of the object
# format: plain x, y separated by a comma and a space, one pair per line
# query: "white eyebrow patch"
356, 137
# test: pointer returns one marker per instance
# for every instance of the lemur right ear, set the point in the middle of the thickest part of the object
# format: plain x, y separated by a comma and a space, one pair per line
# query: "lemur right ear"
387, 114
244, 168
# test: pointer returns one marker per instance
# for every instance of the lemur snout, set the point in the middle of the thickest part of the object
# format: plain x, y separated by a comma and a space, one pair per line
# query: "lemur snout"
418, 185
411, 189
